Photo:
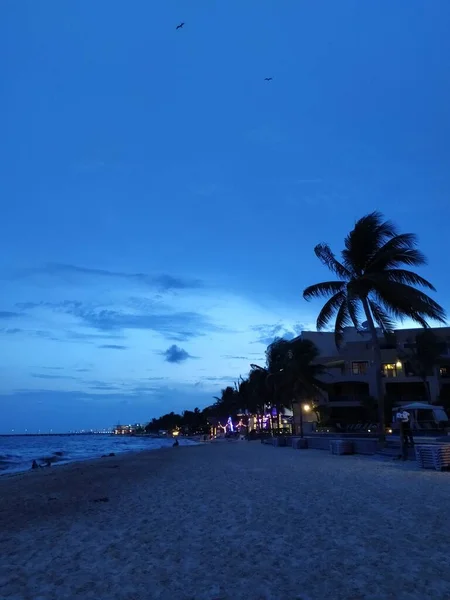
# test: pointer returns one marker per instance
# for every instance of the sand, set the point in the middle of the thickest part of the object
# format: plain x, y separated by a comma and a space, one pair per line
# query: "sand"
226, 521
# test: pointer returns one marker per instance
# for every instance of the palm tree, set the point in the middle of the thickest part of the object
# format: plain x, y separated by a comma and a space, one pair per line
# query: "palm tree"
303, 371
258, 394
372, 280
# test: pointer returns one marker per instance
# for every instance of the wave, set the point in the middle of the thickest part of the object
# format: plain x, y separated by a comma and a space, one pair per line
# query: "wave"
17, 453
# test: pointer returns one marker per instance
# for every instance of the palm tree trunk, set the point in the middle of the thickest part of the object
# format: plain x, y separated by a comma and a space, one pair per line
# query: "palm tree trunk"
378, 375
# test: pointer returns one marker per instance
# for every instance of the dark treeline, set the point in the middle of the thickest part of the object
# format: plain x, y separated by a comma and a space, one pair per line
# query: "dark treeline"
290, 374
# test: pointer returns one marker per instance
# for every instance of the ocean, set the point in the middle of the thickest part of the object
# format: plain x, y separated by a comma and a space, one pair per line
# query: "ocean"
18, 452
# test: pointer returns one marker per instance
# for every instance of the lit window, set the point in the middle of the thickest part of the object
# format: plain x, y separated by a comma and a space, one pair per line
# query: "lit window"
389, 370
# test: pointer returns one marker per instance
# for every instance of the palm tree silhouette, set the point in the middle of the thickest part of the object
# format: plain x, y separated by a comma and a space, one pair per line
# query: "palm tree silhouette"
372, 282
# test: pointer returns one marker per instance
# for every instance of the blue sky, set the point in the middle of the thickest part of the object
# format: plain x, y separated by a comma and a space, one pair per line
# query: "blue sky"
161, 201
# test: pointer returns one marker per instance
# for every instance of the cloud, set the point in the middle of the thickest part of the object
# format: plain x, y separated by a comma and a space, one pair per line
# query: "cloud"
103, 386
76, 335
163, 282
50, 376
176, 355
230, 356
176, 326
7, 314
113, 347
11, 331
268, 333
224, 378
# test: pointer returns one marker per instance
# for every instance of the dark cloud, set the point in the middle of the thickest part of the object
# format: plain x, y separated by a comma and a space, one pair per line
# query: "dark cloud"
104, 386
50, 376
175, 326
11, 331
113, 347
7, 314
163, 282
78, 336
174, 354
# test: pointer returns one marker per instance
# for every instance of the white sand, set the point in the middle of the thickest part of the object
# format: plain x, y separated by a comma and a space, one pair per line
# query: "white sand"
226, 521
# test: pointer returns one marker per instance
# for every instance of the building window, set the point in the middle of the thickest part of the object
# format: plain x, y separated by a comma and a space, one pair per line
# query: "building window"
444, 371
389, 370
360, 367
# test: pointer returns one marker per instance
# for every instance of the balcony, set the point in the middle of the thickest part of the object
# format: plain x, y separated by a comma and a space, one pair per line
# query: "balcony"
345, 400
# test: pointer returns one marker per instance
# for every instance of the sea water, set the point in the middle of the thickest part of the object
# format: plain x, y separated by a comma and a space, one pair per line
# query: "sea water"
17, 452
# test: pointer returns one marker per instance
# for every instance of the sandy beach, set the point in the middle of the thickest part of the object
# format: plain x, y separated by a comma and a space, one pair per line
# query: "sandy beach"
226, 521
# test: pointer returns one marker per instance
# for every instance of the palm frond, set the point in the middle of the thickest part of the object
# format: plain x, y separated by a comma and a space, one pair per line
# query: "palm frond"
325, 289
402, 301
401, 276
354, 309
342, 320
382, 319
327, 258
329, 310
398, 251
363, 242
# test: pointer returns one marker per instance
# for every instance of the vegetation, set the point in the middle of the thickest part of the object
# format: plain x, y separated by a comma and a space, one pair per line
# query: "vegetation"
373, 283
291, 374
374, 287
424, 356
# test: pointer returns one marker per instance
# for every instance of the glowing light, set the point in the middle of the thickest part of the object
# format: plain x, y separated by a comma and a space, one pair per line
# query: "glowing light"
175, 433
398, 364
230, 424
389, 430
306, 407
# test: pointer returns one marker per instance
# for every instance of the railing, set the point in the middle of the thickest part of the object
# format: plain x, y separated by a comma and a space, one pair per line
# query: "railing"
348, 398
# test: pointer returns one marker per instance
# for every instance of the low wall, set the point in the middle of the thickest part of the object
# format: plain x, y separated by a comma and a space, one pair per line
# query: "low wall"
322, 442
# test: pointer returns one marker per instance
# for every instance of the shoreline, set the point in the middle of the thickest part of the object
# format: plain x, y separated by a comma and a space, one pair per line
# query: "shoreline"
65, 460
65, 465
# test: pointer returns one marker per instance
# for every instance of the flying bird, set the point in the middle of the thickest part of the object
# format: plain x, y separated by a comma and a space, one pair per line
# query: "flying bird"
268, 78
180, 26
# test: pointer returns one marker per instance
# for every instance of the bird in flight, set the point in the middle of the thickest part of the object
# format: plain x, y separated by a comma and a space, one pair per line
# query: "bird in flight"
268, 78
180, 26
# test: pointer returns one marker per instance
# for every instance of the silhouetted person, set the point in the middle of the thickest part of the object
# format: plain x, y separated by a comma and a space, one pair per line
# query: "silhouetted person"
175, 443
34, 465
406, 438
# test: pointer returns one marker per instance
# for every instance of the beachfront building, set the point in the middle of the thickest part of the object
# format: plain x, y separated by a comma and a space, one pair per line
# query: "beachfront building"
351, 377
127, 429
